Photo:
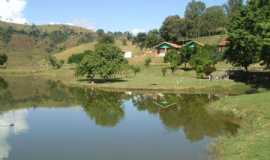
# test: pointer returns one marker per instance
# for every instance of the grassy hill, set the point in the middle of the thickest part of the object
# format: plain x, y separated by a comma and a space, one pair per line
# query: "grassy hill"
26, 45
64, 55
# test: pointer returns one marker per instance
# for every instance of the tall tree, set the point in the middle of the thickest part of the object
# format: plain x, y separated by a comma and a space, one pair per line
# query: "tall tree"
153, 38
213, 20
233, 7
193, 13
173, 28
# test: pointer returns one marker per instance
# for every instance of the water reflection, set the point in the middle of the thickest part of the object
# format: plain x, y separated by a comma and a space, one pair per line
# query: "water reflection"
18, 118
188, 112
178, 113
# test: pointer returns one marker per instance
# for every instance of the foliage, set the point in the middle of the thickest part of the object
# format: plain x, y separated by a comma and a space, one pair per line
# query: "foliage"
173, 28
3, 59
174, 58
203, 61
106, 39
249, 34
233, 7
153, 38
56, 64
77, 58
106, 61
164, 71
140, 40
135, 69
147, 61
186, 54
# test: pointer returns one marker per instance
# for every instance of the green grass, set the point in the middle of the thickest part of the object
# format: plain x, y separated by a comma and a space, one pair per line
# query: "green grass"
253, 140
64, 55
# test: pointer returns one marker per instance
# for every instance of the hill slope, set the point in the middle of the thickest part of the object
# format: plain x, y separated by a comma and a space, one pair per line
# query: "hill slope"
25, 45
64, 55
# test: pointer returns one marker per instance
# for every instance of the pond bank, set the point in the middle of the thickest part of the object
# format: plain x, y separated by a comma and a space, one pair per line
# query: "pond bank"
253, 139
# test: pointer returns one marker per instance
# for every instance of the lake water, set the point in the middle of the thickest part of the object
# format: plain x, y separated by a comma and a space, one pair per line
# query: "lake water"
45, 120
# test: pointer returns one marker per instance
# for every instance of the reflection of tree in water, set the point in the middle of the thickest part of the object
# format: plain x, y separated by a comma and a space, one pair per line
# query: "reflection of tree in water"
103, 107
6, 98
189, 113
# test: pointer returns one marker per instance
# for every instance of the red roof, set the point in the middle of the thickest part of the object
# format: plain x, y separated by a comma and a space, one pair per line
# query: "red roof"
225, 42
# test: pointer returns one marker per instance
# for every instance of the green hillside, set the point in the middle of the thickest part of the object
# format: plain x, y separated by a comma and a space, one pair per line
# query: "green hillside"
26, 45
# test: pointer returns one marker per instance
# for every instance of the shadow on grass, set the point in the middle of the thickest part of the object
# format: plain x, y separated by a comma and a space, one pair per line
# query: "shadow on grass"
257, 79
101, 81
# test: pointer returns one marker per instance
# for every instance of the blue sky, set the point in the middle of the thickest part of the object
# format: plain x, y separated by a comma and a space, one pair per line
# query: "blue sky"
110, 15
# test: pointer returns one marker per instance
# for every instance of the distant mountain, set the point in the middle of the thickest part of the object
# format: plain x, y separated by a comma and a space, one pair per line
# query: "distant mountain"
27, 44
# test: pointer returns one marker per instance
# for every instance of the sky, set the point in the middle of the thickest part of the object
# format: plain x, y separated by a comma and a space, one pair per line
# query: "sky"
110, 15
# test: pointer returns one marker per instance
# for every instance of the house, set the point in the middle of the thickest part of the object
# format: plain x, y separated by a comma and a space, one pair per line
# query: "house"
128, 55
164, 47
223, 44
193, 44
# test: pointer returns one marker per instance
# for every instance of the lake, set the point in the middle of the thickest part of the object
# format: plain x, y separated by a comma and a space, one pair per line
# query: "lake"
42, 119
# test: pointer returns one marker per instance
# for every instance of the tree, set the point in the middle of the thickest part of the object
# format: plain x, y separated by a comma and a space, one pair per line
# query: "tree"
3, 59
233, 7
193, 13
147, 61
55, 63
203, 61
153, 38
77, 58
135, 69
186, 54
106, 61
213, 20
173, 29
245, 40
140, 39
194, 9
107, 38
100, 32
174, 59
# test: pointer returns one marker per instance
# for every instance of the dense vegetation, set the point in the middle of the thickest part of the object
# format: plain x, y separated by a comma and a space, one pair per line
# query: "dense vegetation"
106, 61
249, 34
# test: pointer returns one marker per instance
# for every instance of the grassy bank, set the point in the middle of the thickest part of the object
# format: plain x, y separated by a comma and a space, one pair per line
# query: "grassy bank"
150, 78
253, 139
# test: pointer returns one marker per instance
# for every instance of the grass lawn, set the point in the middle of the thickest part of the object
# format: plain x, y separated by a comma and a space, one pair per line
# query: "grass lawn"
253, 139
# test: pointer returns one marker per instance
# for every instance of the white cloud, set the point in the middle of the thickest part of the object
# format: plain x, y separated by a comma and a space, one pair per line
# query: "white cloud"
135, 31
19, 118
12, 11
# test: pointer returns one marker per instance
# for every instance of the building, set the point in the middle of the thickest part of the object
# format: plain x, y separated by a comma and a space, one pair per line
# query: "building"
164, 47
223, 44
193, 44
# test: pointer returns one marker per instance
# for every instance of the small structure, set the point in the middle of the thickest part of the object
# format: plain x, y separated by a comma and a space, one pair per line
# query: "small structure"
164, 47
193, 44
223, 44
128, 55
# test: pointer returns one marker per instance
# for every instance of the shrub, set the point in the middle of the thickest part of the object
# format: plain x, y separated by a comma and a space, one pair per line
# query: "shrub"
3, 59
77, 58
107, 61
135, 69
56, 64
204, 62
164, 71
147, 61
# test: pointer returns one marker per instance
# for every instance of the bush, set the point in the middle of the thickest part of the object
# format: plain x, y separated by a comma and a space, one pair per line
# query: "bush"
164, 71
56, 64
107, 61
147, 61
77, 58
3, 59
135, 69
204, 62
